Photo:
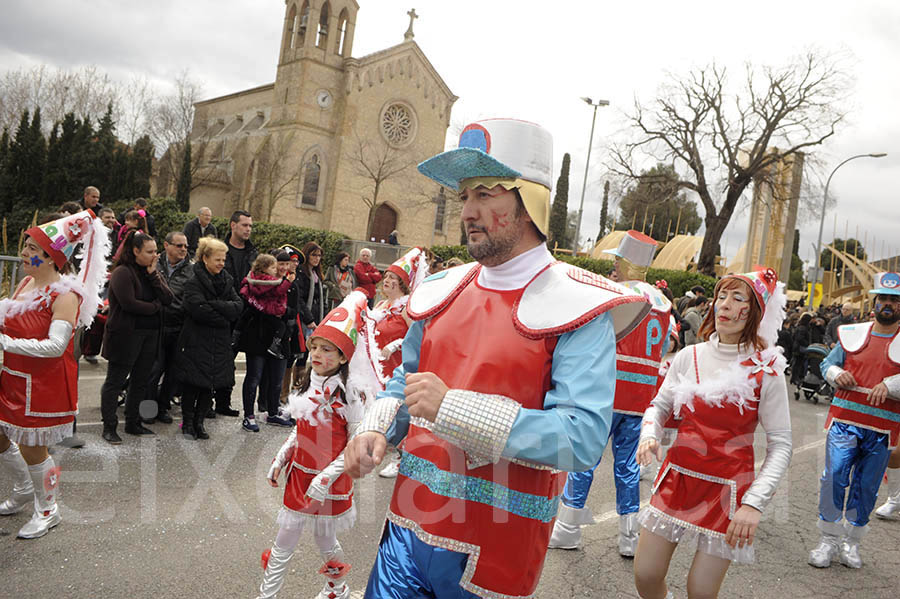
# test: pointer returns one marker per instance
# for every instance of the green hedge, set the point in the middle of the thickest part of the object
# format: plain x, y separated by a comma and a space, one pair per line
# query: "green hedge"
679, 281
266, 236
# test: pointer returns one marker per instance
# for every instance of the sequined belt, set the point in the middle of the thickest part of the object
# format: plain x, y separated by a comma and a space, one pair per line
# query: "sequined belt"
469, 488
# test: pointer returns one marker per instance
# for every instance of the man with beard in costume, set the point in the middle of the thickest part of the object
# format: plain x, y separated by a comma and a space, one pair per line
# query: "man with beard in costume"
863, 425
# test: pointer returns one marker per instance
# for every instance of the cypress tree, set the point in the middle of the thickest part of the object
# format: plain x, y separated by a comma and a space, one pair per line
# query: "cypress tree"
559, 211
141, 167
183, 193
604, 211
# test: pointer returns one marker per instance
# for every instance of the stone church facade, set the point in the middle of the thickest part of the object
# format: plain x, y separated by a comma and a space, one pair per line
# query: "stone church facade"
316, 146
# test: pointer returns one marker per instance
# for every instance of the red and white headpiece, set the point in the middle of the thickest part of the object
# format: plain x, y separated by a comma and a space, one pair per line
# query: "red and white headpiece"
412, 268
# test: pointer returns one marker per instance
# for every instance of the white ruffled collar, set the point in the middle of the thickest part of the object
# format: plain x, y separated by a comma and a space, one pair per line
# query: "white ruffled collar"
324, 397
516, 272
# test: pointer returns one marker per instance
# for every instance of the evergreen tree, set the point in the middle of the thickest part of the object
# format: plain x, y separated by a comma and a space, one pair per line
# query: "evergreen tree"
656, 201
559, 211
141, 167
183, 193
102, 154
604, 211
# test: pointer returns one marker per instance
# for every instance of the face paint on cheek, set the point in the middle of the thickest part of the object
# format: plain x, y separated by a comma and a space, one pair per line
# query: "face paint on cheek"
35, 261
498, 221
744, 314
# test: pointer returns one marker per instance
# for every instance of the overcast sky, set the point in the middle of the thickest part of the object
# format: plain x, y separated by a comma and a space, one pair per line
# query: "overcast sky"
532, 60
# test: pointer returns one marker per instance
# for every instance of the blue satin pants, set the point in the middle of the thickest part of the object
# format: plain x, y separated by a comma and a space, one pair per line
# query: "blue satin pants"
625, 433
862, 452
407, 568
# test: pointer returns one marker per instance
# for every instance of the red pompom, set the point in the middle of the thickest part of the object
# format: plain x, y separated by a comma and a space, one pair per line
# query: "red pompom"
265, 558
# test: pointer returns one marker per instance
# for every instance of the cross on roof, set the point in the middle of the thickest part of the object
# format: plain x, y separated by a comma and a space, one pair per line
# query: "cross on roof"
409, 35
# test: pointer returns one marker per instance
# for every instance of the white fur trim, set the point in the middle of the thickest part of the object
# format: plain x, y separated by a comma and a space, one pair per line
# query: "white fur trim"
421, 271
774, 316
734, 386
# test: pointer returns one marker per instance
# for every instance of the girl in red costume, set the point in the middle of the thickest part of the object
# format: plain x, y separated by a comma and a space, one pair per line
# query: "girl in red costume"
720, 390
388, 323
39, 381
328, 407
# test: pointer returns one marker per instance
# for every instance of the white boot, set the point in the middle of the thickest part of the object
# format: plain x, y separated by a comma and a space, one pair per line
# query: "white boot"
891, 508
850, 546
628, 534
567, 528
827, 549
45, 478
335, 570
275, 565
23, 488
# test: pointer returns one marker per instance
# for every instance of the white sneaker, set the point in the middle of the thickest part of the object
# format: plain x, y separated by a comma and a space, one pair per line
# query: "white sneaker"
40, 524
850, 554
825, 552
391, 470
890, 510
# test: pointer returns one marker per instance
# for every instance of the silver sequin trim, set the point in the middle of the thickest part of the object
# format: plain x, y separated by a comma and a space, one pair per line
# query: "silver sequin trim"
641, 361
380, 415
732, 503
473, 551
478, 423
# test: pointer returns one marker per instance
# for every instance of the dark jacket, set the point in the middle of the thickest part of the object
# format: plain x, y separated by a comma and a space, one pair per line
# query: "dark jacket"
831, 337
193, 233
125, 306
312, 306
173, 314
258, 329
204, 357
233, 266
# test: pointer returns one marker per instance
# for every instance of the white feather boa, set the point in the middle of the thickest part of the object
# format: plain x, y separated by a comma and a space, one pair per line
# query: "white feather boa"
87, 283
304, 406
735, 385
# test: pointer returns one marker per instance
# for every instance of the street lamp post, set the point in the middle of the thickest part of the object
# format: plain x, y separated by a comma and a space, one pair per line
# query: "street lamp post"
587, 163
822, 219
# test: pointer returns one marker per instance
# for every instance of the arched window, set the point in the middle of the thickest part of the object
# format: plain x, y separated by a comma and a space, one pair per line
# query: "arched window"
322, 36
341, 34
311, 172
290, 27
304, 22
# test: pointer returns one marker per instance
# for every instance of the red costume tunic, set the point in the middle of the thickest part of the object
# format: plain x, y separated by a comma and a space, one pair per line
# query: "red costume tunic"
705, 474
321, 437
390, 327
439, 515
38, 396
870, 360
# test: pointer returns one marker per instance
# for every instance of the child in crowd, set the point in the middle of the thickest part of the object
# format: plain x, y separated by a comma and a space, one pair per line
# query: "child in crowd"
328, 407
264, 291
135, 220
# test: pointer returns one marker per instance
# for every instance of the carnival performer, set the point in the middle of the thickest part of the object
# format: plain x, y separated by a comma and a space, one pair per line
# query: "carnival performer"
507, 377
721, 389
638, 357
891, 508
328, 407
39, 382
863, 425
388, 323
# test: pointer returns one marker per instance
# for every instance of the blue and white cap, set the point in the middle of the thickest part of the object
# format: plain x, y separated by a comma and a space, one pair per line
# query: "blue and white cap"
887, 283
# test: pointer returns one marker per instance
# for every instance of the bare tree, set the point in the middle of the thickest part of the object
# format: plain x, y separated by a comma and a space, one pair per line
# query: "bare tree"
85, 92
378, 163
275, 175
169, 120
725, 140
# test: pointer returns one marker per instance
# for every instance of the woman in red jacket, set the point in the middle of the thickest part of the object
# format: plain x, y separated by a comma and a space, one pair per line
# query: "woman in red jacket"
367, 276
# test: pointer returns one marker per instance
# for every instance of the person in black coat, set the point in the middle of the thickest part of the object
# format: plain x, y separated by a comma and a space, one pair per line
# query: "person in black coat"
205, 361
801, 342
199, 227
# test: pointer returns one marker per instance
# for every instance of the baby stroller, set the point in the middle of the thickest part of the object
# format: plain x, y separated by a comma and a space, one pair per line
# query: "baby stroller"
813, 386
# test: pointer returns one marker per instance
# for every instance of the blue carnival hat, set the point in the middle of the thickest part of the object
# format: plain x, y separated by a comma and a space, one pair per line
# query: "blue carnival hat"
886, 283
495, 148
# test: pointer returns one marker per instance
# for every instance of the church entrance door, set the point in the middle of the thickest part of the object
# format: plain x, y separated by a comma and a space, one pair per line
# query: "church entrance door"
384, 223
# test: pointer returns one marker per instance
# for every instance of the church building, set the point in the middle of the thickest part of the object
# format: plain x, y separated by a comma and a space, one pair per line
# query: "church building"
334, 142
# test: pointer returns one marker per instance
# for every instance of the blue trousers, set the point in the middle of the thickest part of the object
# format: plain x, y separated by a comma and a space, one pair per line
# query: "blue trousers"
862, 452
625, 433
407, 568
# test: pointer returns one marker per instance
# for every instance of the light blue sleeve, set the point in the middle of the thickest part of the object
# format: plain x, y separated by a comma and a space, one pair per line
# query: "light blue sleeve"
572, 430
835, 358
396, 386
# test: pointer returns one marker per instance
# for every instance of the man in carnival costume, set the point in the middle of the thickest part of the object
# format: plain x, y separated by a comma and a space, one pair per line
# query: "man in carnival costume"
863, 425
39, 383
507, 378
638, 357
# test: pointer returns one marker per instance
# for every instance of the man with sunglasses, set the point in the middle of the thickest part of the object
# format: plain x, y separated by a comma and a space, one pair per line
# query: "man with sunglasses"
175, 268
